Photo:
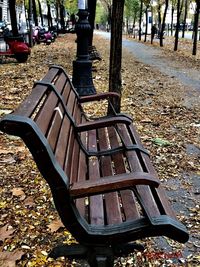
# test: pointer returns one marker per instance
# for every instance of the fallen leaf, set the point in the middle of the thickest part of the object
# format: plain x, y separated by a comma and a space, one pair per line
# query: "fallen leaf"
5, 151
55, 225
17, 192
160, 142
8, 259
5, 232
29, 201
9, 160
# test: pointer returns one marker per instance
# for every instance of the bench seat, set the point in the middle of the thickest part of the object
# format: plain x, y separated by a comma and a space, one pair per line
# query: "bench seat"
104, 185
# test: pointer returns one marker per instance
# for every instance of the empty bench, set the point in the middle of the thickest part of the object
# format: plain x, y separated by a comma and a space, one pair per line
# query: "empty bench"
104, 186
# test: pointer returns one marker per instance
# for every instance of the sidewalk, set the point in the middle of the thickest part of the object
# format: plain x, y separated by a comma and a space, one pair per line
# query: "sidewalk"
154, 57
166, 115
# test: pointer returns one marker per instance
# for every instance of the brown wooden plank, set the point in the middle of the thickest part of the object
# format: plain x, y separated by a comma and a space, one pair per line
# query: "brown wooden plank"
81, 176
112, 203
51, 75
54, 130
29, 105
60, 82
95, 202
163, 205
62, 144
34, 98
144, 192
46, 111
75, 152
127, 197
110, 183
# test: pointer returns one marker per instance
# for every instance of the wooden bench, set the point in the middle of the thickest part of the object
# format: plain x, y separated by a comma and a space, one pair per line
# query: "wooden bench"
104, 186
93, 53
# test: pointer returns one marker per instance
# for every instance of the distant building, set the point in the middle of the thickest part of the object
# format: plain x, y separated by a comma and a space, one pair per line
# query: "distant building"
4, 10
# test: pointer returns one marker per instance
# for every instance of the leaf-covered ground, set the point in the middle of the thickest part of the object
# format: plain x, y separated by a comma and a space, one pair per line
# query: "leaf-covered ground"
167, 116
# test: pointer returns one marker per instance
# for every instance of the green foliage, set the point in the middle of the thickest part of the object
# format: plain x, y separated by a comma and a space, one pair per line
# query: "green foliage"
101, 14
132, 8
71, 6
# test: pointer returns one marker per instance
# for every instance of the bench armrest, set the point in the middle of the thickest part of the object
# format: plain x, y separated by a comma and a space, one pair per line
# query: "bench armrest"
98, 97
106, 122
112, 183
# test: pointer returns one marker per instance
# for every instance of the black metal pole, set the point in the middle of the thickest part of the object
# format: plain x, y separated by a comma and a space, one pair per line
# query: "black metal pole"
82, 66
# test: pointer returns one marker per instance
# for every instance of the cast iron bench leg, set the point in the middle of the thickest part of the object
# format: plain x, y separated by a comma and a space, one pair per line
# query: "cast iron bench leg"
96, 257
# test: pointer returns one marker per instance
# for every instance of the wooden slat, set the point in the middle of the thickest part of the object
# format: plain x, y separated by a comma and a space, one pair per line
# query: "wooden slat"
45, 114
62, 144
112, 203
30, 103
51, 75
127, 196
144, 192
163, 204
60, 83
95, 202
49, 105
81, 176
110, 183
75, 152
54, 130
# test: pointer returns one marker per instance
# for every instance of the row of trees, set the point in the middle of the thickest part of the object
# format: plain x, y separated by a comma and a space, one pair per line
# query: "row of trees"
135, 10
34, 10
115, 16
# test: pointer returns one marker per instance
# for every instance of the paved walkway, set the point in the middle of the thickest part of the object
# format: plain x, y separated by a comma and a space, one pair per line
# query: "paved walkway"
153, 57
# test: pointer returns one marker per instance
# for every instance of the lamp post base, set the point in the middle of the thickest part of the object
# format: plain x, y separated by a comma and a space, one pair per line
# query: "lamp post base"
82, 77
82, 66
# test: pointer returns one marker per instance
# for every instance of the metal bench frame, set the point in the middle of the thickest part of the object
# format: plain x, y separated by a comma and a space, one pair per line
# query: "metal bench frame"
104, 186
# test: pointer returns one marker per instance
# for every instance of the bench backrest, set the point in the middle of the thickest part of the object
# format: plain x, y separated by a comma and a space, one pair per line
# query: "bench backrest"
52, 110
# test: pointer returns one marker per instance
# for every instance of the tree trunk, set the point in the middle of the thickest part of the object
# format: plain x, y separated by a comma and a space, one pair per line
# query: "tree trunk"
140, 20
40, 12
163, 23
35, 18
159, 20
177, 26
185, 17
115, 83
91, 18
146, 15
13, 17
196, 23
152, 26
49, 18
62, 19
179, 11
172, 21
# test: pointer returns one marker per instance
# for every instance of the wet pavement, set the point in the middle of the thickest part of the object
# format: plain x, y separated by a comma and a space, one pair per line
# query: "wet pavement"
153, 57
184, 199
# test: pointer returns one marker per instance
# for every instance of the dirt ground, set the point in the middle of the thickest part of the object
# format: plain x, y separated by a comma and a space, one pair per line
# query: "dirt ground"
167, 116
